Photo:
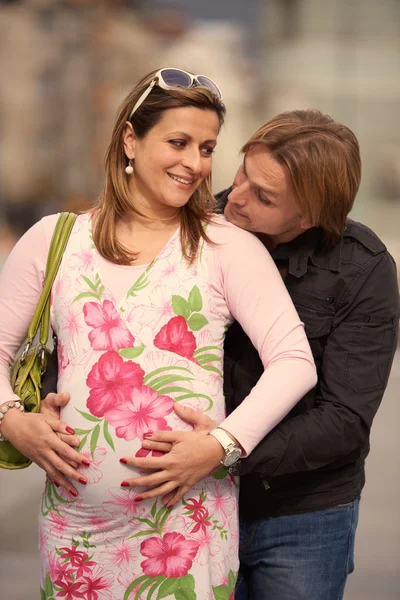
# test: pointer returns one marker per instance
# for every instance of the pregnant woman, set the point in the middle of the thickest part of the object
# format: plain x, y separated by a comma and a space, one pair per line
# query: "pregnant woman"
148, 284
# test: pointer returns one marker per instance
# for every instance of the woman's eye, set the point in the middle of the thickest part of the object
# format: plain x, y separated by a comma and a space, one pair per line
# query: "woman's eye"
208, 150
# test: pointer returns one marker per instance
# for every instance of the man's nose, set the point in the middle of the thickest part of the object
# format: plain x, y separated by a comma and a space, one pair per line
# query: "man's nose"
239, 194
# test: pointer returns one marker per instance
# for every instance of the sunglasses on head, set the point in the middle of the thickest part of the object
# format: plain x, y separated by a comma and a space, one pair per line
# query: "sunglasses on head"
172, 79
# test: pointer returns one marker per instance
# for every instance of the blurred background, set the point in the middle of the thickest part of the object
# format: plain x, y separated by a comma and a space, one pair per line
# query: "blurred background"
65, 65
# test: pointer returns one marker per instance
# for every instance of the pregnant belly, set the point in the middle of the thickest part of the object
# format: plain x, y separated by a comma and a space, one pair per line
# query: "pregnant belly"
103, 449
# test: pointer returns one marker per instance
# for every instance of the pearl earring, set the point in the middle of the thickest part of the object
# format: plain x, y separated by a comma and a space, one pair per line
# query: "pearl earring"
129, 169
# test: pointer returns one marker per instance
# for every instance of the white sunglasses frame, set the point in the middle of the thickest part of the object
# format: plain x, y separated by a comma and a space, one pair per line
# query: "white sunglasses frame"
158, 80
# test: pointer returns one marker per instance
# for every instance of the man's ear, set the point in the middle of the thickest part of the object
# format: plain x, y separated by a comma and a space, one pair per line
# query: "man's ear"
129, 137
305, 224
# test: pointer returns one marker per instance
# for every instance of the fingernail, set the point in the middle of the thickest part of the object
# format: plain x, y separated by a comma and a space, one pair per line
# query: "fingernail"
86, 463
70, 430
73, 493
124, 484
82, 480
170, 506
123, 461
148, 434
138, 499
56, 483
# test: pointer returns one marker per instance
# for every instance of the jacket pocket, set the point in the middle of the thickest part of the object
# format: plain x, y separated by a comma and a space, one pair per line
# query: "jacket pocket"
370, 356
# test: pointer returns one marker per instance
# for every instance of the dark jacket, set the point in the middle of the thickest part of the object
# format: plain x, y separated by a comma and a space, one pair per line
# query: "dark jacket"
347, 296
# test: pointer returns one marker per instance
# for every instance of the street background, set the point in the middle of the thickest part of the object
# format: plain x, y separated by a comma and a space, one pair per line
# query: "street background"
65, 65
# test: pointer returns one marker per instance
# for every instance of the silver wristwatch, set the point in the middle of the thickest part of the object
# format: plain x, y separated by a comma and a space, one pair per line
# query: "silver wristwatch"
232, 452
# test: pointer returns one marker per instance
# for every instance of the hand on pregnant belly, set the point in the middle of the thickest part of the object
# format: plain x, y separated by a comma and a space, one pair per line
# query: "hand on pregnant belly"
193, 456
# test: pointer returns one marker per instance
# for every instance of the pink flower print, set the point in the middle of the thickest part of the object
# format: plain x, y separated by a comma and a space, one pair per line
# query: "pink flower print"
58, 524
143, 411
93, 473
57, 569
97, 585
171, 556
209, 544
123, 503
71, 321
82, 261
120, 553
221, 500
199, 514
70, 588
160, 306
63, 360
176, 337
111, 380
109, 331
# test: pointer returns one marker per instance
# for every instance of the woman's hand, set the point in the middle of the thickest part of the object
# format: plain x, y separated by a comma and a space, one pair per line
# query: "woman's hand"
50, 408
192, 457
36, 439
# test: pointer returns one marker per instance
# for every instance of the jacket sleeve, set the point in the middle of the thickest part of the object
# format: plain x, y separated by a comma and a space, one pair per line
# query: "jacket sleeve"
353, 376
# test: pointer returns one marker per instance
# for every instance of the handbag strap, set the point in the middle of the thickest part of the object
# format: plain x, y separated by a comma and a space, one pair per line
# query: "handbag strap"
59, 241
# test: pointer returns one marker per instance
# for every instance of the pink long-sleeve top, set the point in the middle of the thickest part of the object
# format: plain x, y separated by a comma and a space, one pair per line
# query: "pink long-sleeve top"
245, 285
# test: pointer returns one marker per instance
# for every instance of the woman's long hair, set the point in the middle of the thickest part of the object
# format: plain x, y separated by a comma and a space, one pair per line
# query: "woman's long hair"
116, 201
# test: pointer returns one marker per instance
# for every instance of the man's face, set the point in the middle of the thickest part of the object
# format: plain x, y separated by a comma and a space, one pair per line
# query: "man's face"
262, 199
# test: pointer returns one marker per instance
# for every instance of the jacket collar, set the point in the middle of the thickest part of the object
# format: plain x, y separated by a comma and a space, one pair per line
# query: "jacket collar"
309, 247
306, 247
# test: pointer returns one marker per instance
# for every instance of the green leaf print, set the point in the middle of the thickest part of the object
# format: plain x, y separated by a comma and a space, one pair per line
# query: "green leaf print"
96, 287
221, 473
206, 358
205, 349
107, 436
83, 442
231, 582
194, 300
221, 592
88, 416
48, 585
167, 588
42, 594
213, 369
149, 376
132, 585
160, 382
181, 307
131, 352
94, 439
197, 322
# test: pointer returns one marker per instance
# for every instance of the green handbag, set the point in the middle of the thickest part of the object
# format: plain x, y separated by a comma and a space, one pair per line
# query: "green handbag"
32, 358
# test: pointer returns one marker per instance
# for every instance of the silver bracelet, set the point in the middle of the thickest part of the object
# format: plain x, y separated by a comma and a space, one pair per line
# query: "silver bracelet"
5, 408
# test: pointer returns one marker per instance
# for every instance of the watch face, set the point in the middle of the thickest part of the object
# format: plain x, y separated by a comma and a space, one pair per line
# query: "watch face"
232, 456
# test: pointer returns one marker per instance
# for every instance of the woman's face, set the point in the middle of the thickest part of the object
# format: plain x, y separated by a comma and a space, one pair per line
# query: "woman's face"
172, 160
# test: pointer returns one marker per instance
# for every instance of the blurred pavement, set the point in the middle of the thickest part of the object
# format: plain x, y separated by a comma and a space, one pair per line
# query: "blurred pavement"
377, 545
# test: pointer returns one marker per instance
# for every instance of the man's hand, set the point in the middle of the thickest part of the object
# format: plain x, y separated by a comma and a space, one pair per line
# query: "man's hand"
201, 424
189, 458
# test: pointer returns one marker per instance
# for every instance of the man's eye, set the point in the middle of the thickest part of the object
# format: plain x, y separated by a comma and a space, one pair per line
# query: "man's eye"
264, 201
177, 143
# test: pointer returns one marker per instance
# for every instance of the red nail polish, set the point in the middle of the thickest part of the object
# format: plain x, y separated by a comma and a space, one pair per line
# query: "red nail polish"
86, 463
148, 434
73, 493
82, 480
123, 461
56, 483
170, 506
124, 484
70, 430
138, 499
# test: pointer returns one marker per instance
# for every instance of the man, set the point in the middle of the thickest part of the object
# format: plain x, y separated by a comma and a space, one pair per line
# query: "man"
300, 487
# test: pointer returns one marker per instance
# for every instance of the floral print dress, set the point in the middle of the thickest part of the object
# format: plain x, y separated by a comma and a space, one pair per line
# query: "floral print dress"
125, 365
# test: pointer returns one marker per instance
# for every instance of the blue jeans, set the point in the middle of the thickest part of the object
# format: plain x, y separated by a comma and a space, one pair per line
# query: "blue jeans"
297, 557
